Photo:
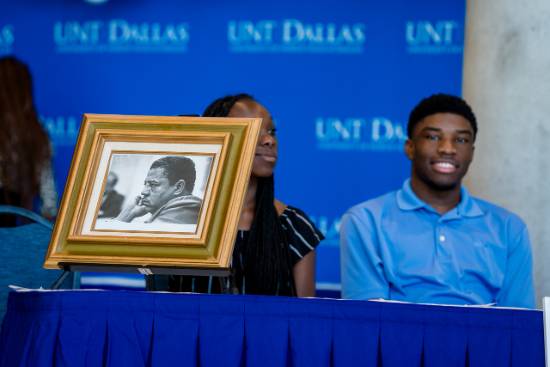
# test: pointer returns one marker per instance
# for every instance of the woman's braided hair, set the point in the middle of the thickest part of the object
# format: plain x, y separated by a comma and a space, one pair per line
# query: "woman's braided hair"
267, 268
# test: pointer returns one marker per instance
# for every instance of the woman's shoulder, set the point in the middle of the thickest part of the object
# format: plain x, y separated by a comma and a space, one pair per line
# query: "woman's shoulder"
294, 212
296, 221
291, 211
280, 207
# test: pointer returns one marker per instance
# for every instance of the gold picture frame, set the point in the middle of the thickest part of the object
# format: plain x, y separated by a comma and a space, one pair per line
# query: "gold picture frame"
189, 223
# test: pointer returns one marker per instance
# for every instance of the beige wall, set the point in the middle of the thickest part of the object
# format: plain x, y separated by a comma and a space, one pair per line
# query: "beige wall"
507, 82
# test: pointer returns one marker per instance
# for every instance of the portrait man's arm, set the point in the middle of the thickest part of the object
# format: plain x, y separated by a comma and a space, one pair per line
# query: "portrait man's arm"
132, 211
362, 268
517, 289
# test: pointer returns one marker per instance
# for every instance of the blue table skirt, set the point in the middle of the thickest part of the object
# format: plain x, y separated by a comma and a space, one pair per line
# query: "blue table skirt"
120, 328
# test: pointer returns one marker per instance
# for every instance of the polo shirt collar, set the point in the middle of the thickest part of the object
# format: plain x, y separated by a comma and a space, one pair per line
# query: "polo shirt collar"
407, 200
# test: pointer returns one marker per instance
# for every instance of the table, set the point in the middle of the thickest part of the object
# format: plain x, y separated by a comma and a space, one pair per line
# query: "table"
130, 328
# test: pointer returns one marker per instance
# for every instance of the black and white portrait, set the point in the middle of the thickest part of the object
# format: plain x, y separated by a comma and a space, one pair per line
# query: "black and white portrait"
151, 192
165, 198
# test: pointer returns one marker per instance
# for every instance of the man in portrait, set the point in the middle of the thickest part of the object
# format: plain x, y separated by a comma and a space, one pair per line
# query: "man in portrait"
167, 193
430, 241
111, 203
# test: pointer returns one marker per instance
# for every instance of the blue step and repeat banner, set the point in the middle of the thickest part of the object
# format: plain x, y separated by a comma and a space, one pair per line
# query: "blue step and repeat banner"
339, 77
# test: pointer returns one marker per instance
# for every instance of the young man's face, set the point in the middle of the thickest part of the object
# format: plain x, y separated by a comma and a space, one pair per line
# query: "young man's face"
441, 150
157, 190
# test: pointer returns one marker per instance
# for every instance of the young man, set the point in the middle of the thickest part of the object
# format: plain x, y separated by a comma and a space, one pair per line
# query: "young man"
166, 193
430, 241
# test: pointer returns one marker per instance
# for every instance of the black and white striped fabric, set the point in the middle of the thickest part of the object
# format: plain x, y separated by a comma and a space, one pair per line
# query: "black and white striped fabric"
302, 237
300, 231
302, 234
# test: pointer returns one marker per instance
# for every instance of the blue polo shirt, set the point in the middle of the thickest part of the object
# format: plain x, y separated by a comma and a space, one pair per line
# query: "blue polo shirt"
398, 247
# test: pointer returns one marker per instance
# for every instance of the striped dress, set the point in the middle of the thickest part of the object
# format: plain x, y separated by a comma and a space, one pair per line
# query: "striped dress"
302, 237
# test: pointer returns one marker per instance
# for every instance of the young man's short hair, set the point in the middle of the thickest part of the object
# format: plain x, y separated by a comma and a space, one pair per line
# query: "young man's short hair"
441, 103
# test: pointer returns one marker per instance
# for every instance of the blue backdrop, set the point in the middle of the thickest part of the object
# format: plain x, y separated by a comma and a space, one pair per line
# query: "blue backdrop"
339, 77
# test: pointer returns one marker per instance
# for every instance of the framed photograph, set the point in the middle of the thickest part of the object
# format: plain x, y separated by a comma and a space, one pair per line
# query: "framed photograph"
154, 192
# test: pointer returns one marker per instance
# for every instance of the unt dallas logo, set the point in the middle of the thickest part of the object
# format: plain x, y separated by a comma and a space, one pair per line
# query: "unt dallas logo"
119, 35
7, 38
293, 35
374, 134
330, 227
62, 130
441, 37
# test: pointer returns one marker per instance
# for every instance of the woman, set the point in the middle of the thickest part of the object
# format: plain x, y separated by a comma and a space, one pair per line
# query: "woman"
275, 248
25, 168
